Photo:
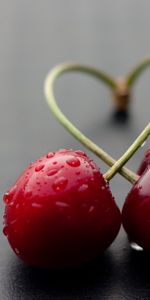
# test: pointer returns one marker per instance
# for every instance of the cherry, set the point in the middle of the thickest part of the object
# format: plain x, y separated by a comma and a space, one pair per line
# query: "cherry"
60, 212
145, 162
136, 212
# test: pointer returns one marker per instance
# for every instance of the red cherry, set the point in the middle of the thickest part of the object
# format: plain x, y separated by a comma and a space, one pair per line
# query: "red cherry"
60, 212
145, 162
136, 212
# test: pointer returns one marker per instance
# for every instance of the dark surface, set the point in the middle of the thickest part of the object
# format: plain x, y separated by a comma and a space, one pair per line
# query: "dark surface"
36, 35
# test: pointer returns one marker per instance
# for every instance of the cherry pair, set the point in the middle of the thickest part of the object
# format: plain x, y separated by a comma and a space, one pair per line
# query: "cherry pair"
61, 213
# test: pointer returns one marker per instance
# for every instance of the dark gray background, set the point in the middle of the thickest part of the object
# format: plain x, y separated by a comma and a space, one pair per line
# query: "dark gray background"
35, 36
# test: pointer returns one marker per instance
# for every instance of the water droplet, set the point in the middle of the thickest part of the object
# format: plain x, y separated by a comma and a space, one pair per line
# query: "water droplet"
16, 250
39, 168
73, 162
79, 152
91, 209
77, 173
136, 247
36, 205
13, 222
52, 172
5, 230
50, 155
60, 184
61, 204
8, 196
143, 144
83, 188
17, 205
103, 187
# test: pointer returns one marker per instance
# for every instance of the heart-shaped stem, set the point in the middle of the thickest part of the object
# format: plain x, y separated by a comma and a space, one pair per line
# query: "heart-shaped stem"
49, 93
136, 72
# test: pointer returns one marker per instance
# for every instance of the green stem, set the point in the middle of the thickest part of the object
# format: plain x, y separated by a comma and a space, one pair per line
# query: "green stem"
126, 156
136, 72
49, 93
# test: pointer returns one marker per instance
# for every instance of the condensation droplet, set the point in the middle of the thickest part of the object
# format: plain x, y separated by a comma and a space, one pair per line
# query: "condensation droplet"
103, 187
13, 222
39, 168
144, 143
50, 155
79, 152
16, 251
52, 172
5, 230
83, 187
36, 205
61, 204
60, 184
136, 247
8, 196
91, 209
73, 162
77, 173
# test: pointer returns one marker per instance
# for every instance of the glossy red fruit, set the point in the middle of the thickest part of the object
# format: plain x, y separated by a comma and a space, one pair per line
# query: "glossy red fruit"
145, 162
60, 212
136, 212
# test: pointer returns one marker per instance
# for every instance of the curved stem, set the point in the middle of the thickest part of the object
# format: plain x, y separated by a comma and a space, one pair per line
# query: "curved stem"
48, 89
136, 72
126, 156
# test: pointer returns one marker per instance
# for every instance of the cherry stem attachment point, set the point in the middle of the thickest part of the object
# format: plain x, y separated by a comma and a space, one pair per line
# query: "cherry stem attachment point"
127, 155
49, 94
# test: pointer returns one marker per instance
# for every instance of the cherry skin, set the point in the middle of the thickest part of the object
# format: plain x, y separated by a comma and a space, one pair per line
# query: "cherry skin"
136, 212
60, 212
145, 162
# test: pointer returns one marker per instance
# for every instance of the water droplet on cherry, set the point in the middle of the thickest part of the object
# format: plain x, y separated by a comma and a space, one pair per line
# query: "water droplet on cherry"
50, 155
8, 196
60, 184
79, 152
5, 230
36, 205
91, 209
83, 187
52, 172
39, 168
16, 250
73, 162
136, 247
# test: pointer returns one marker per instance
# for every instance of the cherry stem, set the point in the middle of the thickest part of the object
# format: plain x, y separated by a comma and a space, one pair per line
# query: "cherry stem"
139, 68
49, 94
126, 156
